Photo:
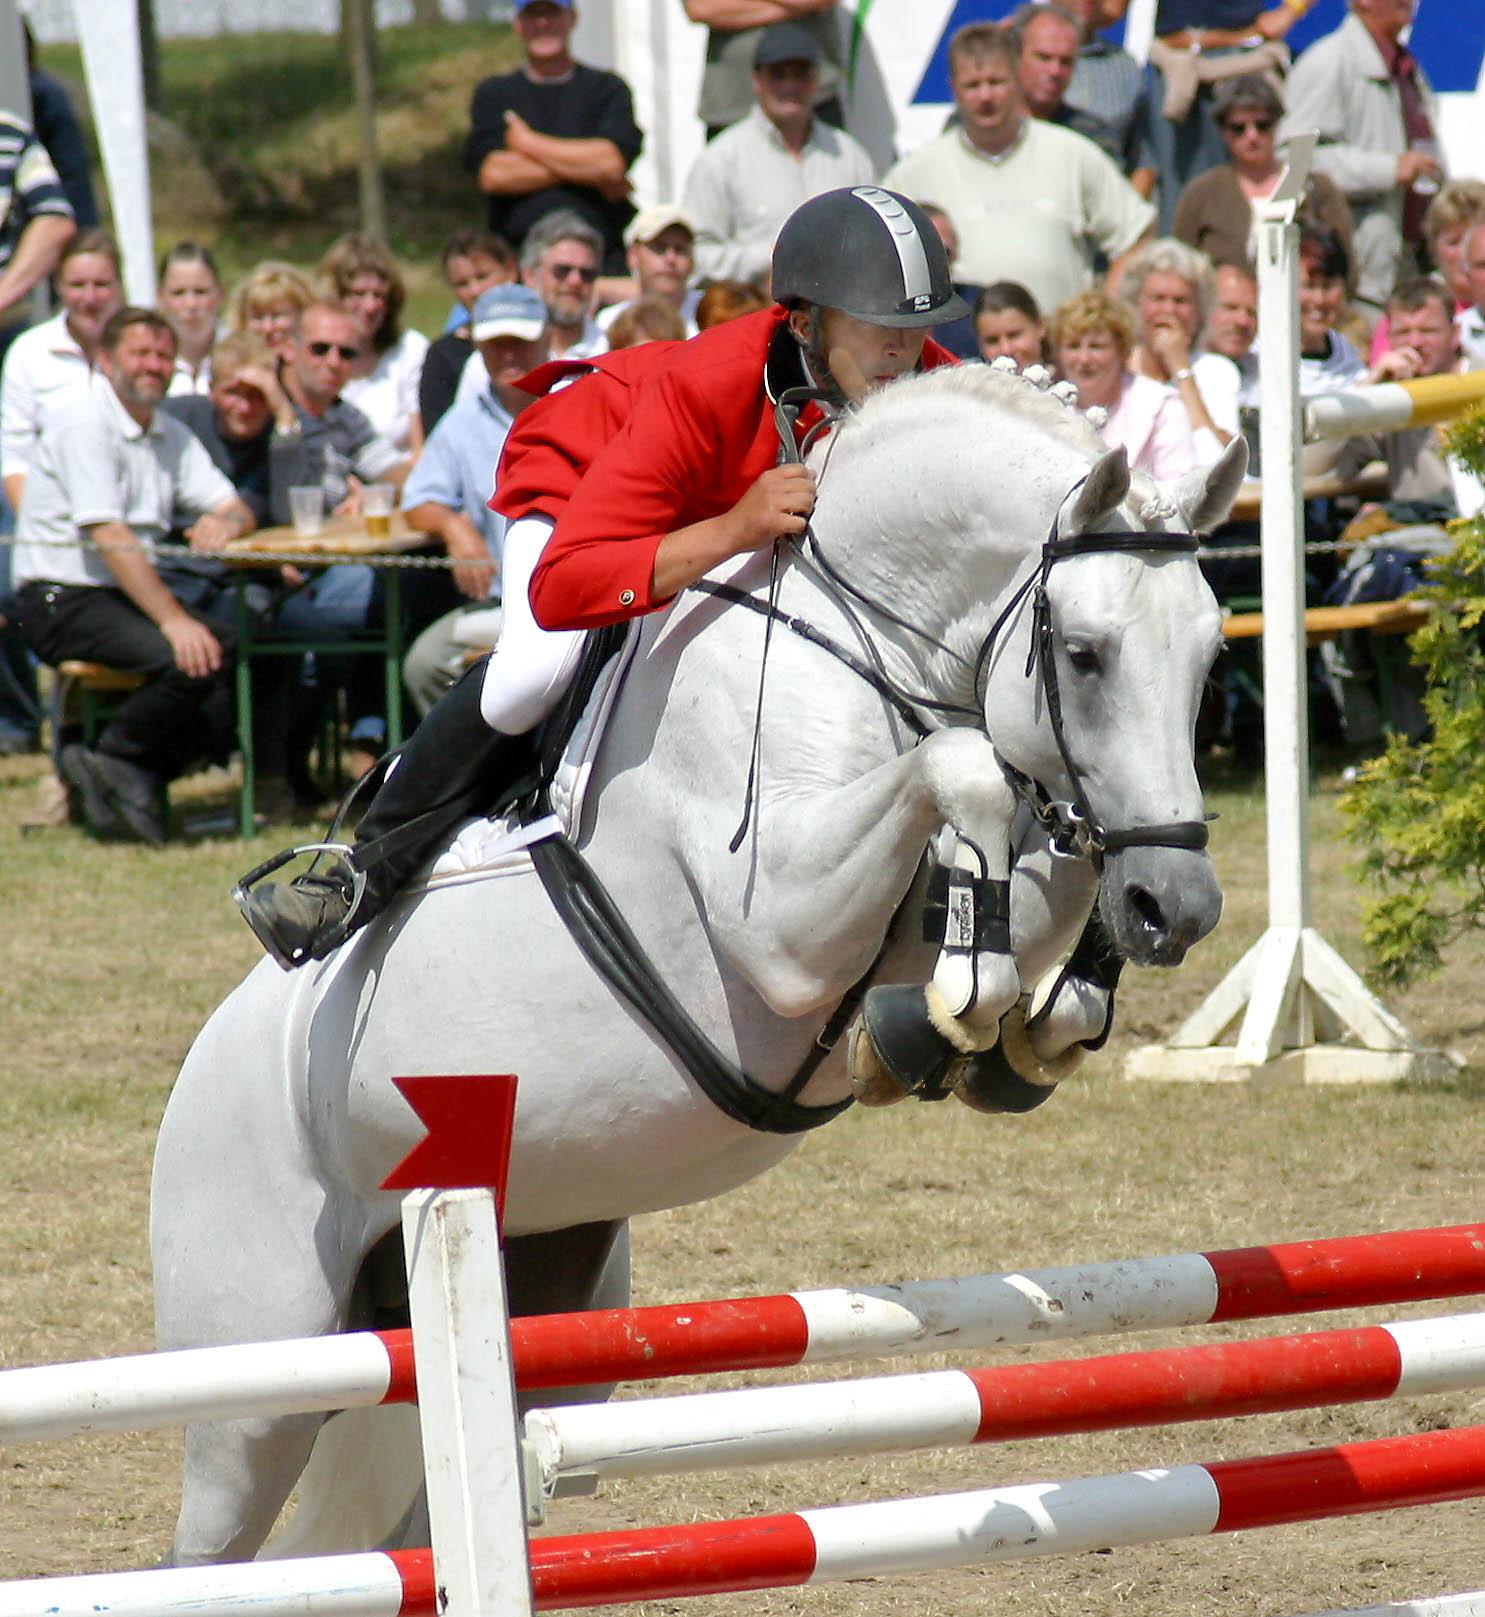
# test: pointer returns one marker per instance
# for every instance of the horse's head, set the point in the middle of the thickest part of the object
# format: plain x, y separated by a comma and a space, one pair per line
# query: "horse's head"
983, 508
1121, 634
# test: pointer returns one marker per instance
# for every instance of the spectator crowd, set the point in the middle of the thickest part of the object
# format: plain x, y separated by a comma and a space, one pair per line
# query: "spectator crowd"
1097, 213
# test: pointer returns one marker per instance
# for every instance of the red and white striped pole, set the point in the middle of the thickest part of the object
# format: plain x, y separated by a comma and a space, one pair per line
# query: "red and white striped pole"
999, 1524
948, 1408
820, 1546
1037, 1305
805, 1327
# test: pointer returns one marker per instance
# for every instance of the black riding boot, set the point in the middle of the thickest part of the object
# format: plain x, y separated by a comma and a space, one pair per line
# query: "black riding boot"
451, 769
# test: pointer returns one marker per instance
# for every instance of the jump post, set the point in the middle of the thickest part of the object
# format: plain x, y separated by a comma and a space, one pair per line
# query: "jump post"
1292, 998
474, 1482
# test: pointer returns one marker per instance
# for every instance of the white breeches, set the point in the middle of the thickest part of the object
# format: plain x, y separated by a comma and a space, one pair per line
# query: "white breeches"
530, 667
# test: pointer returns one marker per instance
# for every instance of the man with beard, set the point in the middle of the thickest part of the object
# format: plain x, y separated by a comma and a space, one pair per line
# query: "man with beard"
112, 476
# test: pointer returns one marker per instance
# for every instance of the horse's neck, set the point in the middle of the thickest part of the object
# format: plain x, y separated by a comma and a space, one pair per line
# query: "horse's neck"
939, 557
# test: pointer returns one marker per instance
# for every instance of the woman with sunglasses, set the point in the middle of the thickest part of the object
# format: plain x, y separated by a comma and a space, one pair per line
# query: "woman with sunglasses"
684, 452
1215, 211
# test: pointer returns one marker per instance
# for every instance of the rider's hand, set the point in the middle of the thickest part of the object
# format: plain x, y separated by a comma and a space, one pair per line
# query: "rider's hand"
778, 503
196, 649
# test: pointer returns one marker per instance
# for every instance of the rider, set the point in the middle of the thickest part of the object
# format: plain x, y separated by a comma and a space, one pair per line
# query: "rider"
622, 489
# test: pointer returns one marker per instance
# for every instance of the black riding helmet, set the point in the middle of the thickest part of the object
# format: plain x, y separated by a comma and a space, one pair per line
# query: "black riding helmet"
870, 253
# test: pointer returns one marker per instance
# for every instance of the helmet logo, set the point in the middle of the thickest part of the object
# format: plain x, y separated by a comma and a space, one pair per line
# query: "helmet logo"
922, 302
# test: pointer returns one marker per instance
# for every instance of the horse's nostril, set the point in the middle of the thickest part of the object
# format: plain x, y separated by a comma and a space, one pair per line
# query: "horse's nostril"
1144, 904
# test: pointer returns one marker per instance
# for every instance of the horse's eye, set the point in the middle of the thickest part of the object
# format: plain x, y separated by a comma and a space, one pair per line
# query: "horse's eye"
1082, 657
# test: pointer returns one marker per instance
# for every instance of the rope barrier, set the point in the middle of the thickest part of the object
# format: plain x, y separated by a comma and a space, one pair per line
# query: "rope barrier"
319, 558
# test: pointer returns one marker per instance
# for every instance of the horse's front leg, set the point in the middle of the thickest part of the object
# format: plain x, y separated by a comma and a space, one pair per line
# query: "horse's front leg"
916, 1038
804, 917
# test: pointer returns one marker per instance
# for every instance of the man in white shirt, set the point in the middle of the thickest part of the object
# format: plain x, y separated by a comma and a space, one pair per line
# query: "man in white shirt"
112, 476
760, 169
1032, 202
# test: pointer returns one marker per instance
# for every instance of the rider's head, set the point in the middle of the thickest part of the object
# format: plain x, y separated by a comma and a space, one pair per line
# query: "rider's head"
864, 274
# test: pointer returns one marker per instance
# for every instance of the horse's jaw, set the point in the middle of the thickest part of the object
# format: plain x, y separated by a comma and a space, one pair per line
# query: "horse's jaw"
1157, 902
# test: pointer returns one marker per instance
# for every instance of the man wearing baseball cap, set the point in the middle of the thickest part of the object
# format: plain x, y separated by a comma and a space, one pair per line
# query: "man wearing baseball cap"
749, 180
447, 494
555, 134
660, 244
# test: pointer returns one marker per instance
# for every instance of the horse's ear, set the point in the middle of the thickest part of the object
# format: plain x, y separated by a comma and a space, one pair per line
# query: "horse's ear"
1206, 495
1106, 485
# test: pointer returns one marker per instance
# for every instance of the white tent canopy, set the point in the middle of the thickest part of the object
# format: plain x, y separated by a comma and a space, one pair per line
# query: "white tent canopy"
108, 31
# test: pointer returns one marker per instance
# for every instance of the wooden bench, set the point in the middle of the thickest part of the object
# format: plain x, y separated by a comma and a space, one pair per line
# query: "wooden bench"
1326, 622
1381, 618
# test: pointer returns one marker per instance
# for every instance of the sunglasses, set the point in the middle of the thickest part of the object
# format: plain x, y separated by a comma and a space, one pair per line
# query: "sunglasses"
1238, 126
321, 349
563, 272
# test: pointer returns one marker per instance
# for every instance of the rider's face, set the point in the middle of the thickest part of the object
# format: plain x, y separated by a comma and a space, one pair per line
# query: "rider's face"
878, 353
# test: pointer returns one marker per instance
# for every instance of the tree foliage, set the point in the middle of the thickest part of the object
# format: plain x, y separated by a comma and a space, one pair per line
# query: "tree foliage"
1418, 811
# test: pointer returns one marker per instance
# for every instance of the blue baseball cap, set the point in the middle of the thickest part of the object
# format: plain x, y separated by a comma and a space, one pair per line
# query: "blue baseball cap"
510, 310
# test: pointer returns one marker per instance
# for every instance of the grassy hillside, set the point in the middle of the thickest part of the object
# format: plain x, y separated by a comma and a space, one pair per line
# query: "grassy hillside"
254, 151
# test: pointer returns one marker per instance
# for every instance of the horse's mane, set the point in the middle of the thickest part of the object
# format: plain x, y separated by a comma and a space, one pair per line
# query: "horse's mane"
1036, 406
1005, 390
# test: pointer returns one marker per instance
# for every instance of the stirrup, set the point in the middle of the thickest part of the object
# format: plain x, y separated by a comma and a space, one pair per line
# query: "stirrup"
344, 870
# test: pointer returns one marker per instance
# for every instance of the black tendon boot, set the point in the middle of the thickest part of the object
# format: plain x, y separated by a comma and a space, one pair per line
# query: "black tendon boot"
451, 769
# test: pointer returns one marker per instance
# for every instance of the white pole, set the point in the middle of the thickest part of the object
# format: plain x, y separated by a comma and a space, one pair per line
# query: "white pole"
109, 33
50, 1401
1291, 973
467, 1403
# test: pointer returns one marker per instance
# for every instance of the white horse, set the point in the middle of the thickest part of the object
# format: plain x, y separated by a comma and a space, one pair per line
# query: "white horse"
935, 503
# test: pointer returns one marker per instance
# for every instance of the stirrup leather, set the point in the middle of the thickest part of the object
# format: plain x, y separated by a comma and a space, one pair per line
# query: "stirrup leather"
343, 873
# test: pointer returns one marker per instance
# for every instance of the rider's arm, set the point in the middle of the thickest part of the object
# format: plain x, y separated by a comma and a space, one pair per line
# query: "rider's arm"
656, 508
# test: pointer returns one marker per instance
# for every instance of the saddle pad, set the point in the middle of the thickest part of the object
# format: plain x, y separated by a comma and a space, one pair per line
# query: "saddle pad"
488, 844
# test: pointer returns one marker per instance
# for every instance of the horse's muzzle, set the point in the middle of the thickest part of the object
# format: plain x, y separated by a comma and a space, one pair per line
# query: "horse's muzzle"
1157, 902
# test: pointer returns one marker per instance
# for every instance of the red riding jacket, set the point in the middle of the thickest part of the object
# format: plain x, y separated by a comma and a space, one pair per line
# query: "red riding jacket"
661, 436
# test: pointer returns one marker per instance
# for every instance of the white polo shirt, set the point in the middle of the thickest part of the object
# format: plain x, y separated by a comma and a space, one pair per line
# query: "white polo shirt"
44, 367
94, 464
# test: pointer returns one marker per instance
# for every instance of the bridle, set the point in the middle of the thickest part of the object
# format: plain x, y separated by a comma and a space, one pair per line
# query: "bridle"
1074, 830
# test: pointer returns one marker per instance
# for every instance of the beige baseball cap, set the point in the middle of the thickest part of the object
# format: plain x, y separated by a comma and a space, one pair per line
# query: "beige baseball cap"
649, 222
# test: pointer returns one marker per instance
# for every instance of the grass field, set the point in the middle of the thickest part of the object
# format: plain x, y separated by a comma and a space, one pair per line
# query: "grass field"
112, 957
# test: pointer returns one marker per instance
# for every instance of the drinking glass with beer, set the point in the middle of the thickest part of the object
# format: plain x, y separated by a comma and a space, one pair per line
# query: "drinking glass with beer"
377, 500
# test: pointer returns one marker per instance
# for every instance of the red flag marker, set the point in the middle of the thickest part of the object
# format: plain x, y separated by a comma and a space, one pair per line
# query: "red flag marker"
470, 1121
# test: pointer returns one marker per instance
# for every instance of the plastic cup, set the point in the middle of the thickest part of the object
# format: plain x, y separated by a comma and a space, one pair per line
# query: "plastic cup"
307, 509
377, 500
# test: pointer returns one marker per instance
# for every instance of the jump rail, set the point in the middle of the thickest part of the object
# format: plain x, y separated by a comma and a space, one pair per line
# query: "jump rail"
806, 1327
766, 1425
825, 1545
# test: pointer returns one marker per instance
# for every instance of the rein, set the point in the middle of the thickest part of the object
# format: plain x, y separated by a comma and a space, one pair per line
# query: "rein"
1073, 829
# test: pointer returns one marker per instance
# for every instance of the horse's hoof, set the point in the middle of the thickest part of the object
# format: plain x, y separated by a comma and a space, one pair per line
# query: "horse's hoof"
989, 1083
871, 1083
1012, 1077
909, 1043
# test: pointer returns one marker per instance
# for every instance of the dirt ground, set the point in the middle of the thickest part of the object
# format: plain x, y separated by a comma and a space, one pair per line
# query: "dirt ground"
113, 958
